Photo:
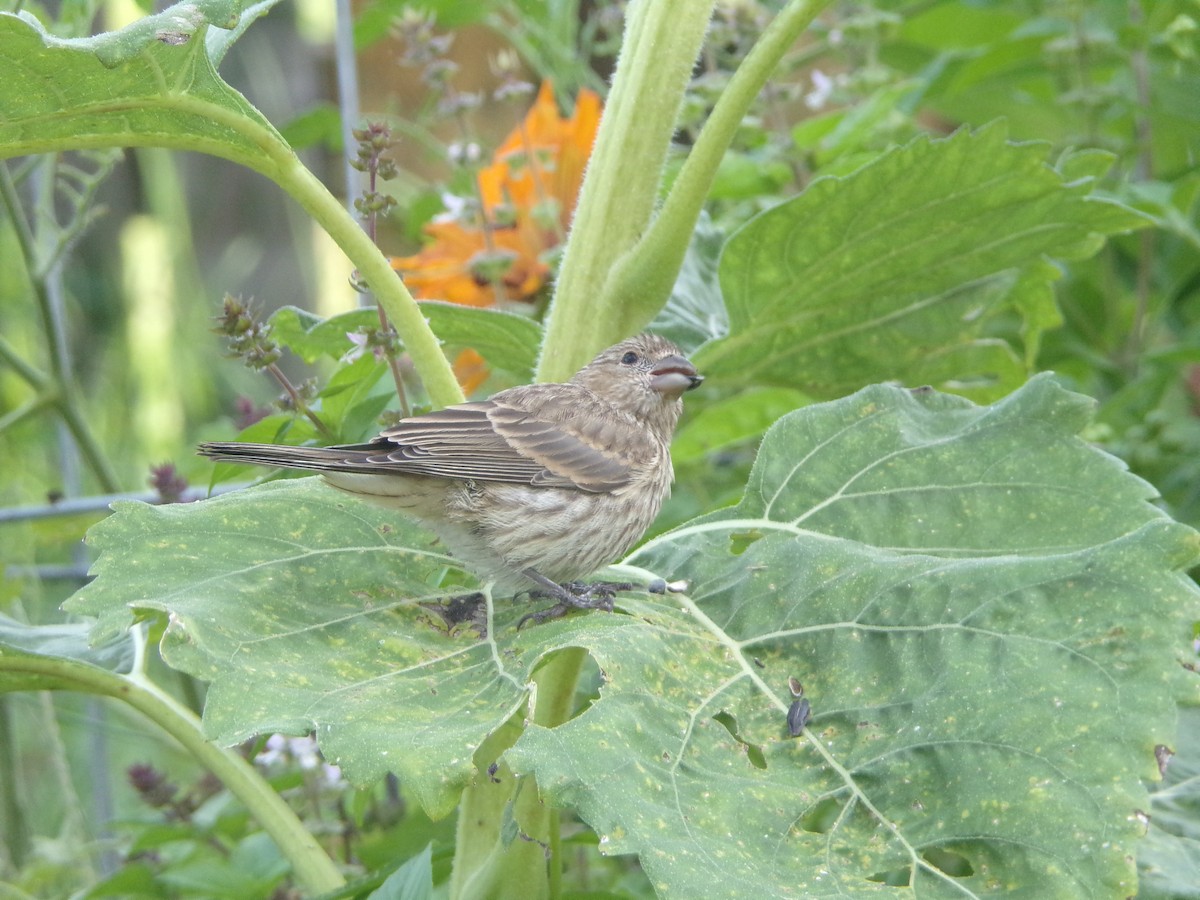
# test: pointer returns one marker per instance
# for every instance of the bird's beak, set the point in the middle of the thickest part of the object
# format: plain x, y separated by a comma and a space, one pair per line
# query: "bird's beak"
673, 375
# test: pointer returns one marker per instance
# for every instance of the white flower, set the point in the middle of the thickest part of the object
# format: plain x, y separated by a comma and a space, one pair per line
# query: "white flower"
821, 92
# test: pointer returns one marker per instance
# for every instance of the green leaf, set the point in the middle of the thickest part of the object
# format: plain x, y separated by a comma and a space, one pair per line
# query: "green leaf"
953, 25
220, 38
312, 337
506, 340
153, 83
412, 881
1089, 164
899, 271
852, 131
174, 26
731, 421
277, 428
987, 617
355, 396
695, 312
741, 175
318, 126
63, 642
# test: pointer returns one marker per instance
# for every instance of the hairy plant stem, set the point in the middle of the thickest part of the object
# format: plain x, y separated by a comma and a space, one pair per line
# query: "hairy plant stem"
507, 844
621, 260
621, 185
641, 281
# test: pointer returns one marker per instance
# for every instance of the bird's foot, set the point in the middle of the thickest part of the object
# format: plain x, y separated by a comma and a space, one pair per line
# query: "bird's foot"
584, 595
573, 595
589, 595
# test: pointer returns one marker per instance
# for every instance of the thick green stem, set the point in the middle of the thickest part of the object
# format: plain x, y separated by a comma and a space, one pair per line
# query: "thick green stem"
505, 831
641, 281
556, 682
621, 187
619, 267
312, 866
490, 859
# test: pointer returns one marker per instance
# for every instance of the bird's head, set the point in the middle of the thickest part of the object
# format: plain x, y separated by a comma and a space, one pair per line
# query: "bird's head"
646, 375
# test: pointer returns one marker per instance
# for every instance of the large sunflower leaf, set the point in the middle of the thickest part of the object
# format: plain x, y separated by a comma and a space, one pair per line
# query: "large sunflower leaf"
153, 83
899, 271
987, 618
986, 613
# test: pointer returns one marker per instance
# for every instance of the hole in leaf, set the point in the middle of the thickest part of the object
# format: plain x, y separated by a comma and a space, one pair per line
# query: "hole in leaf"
755, 755
728, 721
753, 751
587, 688
821, 817
740, 540
894, 878
953, 864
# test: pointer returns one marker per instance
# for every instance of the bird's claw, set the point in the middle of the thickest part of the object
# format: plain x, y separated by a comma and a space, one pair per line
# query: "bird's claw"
544, 615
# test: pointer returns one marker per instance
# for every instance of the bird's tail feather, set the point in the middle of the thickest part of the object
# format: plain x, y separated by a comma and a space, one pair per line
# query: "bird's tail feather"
318, 459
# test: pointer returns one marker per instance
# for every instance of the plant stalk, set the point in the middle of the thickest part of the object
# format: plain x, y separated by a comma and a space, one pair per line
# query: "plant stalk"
620, 188
641, 282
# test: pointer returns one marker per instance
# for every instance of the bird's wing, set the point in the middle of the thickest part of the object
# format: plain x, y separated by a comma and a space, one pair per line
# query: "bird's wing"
495, 440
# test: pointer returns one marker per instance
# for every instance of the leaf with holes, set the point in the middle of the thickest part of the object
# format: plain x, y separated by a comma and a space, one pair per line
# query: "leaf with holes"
1169, 859
985, 615
987, 619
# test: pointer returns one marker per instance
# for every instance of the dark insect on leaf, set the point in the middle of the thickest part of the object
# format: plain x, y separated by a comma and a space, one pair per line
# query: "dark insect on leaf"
798, 716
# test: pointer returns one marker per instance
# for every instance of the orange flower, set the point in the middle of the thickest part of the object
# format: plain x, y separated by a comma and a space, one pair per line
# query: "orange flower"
528, 195
470, 371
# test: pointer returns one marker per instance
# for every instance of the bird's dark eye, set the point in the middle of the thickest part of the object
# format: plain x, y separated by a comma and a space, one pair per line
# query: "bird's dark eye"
629, 358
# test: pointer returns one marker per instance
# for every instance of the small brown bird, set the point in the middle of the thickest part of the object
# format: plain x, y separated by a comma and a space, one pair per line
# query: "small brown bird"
543, 483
